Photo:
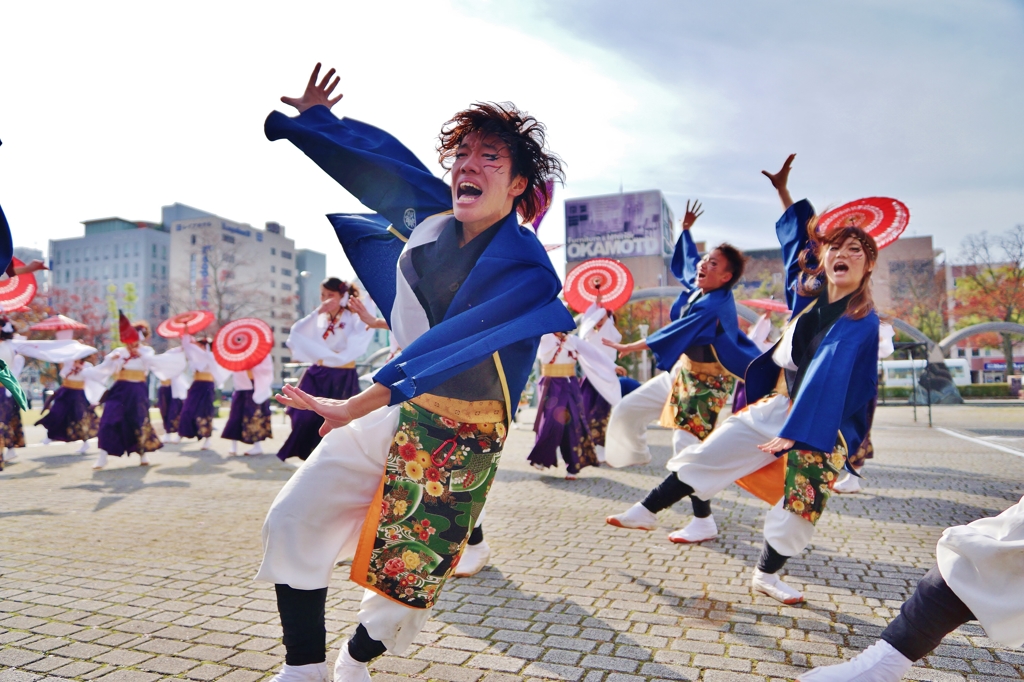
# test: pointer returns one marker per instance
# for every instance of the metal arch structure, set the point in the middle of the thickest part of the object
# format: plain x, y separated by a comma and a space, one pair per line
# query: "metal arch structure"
982, 328
912, 331
673, 292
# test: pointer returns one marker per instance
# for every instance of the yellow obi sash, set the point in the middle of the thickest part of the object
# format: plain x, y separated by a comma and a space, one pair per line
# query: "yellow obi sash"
560, 369
471, 411
165, 382
72, 383
202, 376
134, 375
351, 365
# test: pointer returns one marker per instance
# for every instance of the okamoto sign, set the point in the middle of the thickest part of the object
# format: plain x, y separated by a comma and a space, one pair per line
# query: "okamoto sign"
618, 226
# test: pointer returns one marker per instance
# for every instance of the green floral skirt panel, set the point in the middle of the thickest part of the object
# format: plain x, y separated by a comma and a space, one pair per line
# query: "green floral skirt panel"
436, 480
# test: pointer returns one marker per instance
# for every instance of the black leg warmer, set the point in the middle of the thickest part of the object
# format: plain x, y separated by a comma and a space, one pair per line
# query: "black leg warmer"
701, 508
668, 492
303, 624
771, 561
477, 536
364, 648
931, 613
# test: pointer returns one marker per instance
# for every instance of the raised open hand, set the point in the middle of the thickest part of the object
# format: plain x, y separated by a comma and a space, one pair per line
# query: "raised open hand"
335, 412
692, 214
780, 181
316, 93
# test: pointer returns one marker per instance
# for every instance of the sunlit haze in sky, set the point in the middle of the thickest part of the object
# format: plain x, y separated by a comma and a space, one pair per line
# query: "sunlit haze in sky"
118, 108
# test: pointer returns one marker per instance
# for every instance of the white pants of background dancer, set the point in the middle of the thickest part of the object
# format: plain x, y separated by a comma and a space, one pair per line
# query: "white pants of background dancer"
730, 453
318, 516
626, 437
625, 441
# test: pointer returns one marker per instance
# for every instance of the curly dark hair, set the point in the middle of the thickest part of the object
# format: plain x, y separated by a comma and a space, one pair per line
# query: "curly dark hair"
737, 261
525, 137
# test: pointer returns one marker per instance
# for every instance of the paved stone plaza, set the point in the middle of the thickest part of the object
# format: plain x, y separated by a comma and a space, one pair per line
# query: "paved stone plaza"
133, 574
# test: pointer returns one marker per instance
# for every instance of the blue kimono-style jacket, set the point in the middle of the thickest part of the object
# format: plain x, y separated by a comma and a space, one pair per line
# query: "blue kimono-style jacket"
841, 380
508, 301
711, 320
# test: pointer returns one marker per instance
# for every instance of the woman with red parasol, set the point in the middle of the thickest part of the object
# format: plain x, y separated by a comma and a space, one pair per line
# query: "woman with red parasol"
237, 347
595, 326
124, 425
332, 338
12, 433
809, 395
702, 352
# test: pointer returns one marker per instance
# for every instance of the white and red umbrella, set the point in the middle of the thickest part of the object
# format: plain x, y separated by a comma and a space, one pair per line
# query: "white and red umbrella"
192, 322
18, 291
242, 344
883, 218
58, 323
606, 276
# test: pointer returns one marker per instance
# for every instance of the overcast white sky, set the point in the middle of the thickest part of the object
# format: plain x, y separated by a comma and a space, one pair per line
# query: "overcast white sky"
117, 108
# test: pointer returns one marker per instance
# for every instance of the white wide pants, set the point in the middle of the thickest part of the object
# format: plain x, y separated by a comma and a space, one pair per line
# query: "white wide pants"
730, 453
626, 438
318, 516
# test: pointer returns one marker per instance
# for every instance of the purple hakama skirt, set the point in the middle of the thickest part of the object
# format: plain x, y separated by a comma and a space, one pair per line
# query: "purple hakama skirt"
170, 408
340, 383
125, 426
561, 425
197, 412
12, 435
70, 416
596, 411
247, 422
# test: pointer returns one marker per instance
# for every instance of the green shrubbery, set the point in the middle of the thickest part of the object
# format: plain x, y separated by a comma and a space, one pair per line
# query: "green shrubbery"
1001, 390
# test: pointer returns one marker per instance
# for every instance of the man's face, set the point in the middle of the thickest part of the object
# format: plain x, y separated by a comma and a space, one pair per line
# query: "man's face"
483, 188
713, 272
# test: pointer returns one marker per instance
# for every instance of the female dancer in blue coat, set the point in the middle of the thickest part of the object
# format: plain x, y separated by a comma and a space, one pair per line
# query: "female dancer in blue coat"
809, 396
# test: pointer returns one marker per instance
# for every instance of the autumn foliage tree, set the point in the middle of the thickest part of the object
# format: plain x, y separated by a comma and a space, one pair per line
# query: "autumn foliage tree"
990, 287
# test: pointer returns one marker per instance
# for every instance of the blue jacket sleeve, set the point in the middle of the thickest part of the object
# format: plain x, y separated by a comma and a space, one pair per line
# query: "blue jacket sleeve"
696, 328
6, 243
518, 304
368, 162
792, 232
685, 260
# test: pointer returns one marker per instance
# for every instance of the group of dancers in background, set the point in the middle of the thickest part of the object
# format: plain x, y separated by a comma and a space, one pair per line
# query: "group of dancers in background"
398, 474
330, 338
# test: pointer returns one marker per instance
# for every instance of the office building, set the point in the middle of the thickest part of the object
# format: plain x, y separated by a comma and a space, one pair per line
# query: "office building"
116, 264
312, 267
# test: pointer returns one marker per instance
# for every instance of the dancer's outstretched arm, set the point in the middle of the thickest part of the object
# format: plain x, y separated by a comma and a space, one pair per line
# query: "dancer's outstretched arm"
336, 413
780, 181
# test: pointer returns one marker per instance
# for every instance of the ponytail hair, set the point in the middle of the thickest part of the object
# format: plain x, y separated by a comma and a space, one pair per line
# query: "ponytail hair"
812, 265
340, 286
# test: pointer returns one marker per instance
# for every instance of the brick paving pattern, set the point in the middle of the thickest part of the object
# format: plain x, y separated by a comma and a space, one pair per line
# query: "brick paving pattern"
136, 574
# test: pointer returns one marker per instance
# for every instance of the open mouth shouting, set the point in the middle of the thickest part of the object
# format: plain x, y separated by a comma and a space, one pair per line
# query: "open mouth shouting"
840, 268
467, 192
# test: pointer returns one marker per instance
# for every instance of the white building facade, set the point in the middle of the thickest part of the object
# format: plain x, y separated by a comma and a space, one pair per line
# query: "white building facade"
234, 270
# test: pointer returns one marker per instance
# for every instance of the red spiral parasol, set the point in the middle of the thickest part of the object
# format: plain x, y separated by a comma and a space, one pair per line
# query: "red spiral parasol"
881, 217
605, 275
58, 323
769, 304
242, 344
192, 322
18, 291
